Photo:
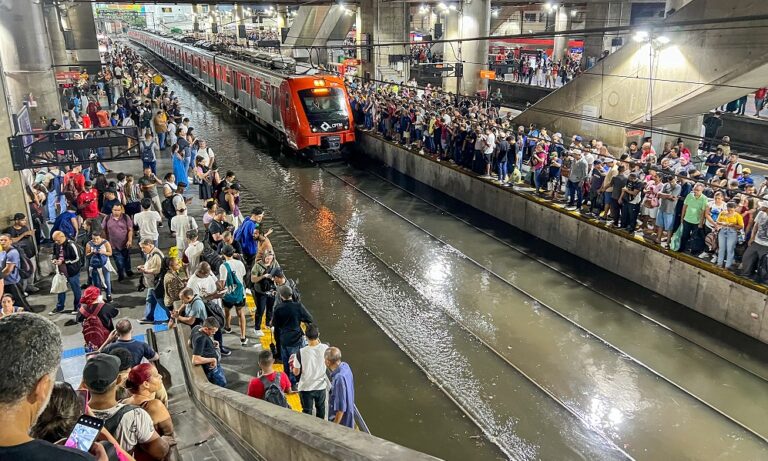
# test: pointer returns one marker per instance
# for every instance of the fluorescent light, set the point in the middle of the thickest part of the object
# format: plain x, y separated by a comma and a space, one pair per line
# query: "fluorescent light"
452, 7
662, 39
641, 36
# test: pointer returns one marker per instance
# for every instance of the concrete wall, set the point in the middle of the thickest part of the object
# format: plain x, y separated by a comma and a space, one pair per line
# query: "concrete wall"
747, 130
519, 95
277, 433
702, 287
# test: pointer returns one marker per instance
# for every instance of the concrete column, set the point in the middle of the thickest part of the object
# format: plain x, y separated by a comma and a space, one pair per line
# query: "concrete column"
386, 23
608, 14
469, 21
197, 12
212, 10
84, 32
562, 22
239, 16
61, 57
26, 58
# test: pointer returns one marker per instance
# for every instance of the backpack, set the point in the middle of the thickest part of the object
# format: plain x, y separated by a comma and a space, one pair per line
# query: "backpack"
762, 269
94, 332
169, 211
25, 265
97, 260
214, 310
147, 153
273, 393
212, 258
56, 184
235, 291
113, 422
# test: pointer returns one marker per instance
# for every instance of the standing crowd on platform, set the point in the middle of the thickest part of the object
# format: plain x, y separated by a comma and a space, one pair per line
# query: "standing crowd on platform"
103, 230
712, 208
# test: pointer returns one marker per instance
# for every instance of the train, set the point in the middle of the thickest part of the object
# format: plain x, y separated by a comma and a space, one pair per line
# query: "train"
310, 114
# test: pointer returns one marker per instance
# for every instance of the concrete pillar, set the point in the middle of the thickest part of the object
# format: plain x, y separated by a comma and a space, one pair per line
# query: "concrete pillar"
469, 21
26, 58
212, 16
607, 14
239, 20
386, 23
197, 12
53, 24
562, 22
84, 33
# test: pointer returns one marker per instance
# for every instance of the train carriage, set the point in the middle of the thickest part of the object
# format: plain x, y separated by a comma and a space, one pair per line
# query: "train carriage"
309, 113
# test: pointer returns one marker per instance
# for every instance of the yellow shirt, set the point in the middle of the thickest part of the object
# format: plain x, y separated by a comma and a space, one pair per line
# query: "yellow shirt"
731, 220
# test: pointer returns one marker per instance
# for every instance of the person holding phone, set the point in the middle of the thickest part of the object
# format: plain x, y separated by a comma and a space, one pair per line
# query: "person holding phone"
32, 354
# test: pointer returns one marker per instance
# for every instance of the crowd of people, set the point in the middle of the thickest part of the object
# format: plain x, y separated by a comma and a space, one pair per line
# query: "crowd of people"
714, 211
534, 68
91, 223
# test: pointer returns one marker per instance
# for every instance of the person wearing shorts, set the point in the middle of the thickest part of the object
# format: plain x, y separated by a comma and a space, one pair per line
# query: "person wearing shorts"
236, 268
665, 217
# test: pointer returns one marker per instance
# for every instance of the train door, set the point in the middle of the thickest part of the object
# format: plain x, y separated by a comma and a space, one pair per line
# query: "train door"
288, 114
254, 94
276, 119
236, 84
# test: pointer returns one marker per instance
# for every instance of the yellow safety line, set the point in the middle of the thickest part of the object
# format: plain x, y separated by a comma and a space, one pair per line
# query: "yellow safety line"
293, 399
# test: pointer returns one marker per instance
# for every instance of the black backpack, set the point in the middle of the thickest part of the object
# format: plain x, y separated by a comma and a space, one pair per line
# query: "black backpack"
273, 393
169, 211
212, 258
26, 270
147, 153
762, 269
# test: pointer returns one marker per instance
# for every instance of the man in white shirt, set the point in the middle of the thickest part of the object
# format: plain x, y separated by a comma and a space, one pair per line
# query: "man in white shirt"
204, 283
194, 251
148, 220
309, 364
180, 224
235, 296
489, 144
206, 153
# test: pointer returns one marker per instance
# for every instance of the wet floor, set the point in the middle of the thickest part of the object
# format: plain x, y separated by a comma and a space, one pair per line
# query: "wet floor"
544, 366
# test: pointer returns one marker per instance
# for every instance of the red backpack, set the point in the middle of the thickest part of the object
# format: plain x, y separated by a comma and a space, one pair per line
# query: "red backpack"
94, 332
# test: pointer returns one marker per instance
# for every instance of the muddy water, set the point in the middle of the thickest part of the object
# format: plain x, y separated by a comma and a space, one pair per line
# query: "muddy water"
430, 299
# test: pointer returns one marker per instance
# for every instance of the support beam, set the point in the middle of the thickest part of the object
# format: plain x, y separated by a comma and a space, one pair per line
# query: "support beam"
386, 23
468, 21
84, 33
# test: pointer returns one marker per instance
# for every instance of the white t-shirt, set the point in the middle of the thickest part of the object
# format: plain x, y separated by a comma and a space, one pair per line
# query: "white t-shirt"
147, 222
238, 268
206, 154
312, 367
135, 426
180, 224
490, 145
193, 253
203, 286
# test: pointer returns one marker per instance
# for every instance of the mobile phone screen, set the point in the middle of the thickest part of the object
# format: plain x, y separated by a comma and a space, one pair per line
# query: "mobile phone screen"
82, 395
84, 433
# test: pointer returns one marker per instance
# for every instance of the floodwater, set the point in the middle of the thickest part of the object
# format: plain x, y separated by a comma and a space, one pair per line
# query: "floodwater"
456, 325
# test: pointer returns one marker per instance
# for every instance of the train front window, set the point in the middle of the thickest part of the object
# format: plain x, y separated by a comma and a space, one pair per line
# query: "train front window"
323, 101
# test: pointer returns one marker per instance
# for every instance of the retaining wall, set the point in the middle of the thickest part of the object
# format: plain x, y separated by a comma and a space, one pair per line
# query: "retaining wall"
277, 433
729, 299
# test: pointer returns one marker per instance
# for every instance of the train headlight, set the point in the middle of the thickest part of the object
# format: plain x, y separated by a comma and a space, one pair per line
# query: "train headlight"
314, 130
346, 127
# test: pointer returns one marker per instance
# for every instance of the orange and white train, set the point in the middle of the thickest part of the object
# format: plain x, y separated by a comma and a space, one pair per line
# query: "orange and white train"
309, 113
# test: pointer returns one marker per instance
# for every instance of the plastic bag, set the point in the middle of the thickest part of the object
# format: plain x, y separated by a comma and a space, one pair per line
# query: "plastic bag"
59, 283
674, 242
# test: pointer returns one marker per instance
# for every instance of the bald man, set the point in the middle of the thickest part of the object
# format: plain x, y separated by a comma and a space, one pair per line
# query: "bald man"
342, 398
68, 260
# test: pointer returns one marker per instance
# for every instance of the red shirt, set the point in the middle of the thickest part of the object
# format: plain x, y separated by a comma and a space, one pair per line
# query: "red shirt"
78, 178
256, 389
760, 93
88, 204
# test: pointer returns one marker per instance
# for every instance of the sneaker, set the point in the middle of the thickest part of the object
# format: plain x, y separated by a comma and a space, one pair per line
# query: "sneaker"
146, 321
248, 291
227, 330
258, 333
226, 352
714, 259
243, 341
56, 311
704, 255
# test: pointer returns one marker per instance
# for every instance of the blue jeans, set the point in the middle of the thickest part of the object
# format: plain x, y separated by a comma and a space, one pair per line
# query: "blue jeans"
726, 240
572, 189
216, 375
161, 140
122, 261
150, 165
286, 352
101, 278
502, 170
74, 284
51, 203
537, 180
368, 121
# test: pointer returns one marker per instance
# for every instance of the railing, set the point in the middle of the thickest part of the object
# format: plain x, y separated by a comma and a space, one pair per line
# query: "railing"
74, 147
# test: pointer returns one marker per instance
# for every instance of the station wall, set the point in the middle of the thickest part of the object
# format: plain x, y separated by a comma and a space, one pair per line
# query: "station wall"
700, 286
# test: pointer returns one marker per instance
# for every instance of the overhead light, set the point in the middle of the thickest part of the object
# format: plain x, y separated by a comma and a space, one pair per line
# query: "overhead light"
442, 6
663, 39
452, 7
640, 36
495, 13
573, 13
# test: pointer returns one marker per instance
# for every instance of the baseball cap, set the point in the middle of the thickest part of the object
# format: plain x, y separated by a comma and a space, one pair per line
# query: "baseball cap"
100, 372
746, 170
19, 216
577, 138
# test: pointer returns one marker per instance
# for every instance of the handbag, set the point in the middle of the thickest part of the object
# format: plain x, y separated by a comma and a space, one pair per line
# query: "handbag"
59, 283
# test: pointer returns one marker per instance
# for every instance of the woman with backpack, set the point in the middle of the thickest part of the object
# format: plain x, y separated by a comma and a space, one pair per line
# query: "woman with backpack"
95, 316
98, 250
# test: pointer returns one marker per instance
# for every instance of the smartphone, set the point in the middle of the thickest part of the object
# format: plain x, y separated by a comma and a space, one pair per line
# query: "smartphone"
84, 433
83, 396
